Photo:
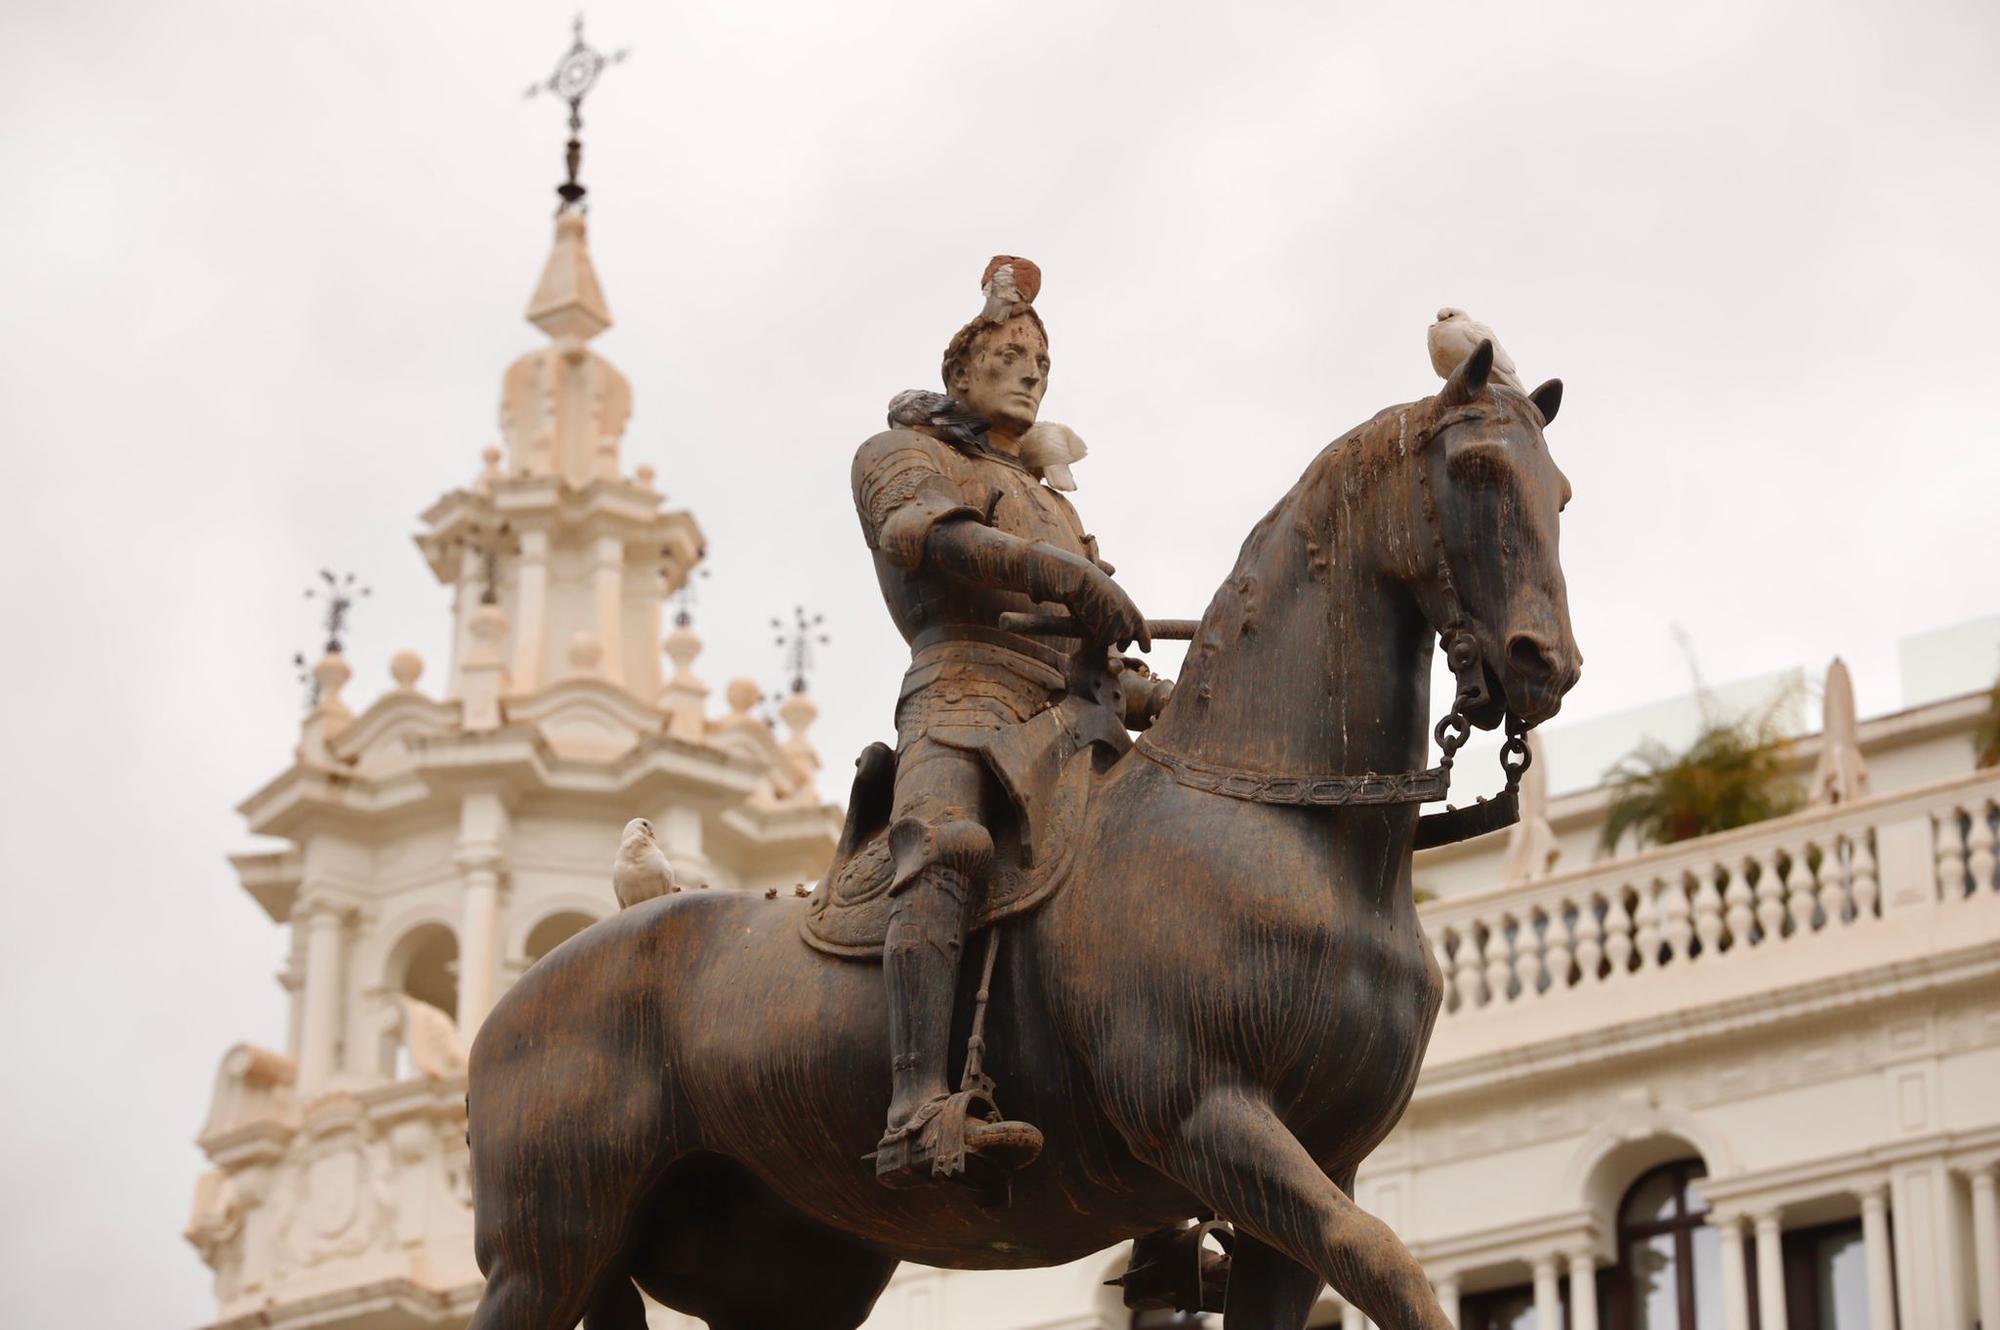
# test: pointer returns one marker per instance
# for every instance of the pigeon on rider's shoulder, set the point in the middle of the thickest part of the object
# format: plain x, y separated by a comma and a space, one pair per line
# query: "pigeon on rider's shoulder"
1047, 449
641, 871
1456, 335
1010, 284
940, 413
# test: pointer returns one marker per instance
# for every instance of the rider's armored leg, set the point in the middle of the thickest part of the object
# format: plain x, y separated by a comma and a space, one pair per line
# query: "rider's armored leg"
926, 938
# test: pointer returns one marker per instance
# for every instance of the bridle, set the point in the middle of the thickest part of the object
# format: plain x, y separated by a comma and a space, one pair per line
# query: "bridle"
1466, 660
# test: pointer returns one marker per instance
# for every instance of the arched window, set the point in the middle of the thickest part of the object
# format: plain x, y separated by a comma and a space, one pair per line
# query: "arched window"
555, 930
428, 961
1669, 1273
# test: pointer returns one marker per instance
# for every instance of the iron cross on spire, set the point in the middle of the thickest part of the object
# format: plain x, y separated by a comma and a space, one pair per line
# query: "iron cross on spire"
576, 74
799, 644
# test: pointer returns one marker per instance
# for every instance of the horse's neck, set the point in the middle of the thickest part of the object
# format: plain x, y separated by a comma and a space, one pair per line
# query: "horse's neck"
1311, 658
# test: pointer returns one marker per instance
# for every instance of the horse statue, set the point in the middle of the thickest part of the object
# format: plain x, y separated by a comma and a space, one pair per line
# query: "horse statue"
1223, 1014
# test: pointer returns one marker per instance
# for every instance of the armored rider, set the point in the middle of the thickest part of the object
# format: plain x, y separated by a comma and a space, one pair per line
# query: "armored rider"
963, 530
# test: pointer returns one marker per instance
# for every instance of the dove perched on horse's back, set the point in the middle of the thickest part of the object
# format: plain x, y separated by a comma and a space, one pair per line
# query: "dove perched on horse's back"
1456, 335
641, 871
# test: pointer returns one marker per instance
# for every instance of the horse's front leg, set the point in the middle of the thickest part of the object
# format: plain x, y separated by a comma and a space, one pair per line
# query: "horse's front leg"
1268, 1290
1234, 1153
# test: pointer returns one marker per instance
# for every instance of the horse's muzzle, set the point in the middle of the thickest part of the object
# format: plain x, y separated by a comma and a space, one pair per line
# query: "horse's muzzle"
1536, 675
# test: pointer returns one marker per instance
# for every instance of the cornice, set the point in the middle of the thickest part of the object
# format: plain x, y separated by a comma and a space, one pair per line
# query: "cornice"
423, 714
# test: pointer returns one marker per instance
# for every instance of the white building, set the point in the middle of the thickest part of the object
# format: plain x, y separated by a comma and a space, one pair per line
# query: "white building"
439, 844
1751, 1080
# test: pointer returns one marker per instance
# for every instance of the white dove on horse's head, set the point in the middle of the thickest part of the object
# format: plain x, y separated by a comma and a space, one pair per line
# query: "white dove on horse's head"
1456, 335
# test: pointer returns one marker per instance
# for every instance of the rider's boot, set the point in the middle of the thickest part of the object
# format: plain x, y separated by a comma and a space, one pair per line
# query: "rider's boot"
932, 1131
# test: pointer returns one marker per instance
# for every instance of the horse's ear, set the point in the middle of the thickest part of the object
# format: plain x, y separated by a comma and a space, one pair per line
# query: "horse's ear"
1469, 379
1548, 399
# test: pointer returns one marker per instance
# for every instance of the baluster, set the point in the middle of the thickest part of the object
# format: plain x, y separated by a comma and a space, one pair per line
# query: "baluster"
1646, 929
1674, 916
1736, 900
1950, 853
1980, 849
1866, 889
1708, 914
1449, 1001
1499, 963
1802, 891
1471, 991
1531, 952
1617, 934
1770, 895
1555, 947
1589, 943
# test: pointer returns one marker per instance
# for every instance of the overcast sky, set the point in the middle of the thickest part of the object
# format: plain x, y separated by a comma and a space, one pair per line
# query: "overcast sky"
263, 265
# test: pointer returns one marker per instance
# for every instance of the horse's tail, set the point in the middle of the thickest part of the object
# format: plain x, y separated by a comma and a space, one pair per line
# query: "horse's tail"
567, 1116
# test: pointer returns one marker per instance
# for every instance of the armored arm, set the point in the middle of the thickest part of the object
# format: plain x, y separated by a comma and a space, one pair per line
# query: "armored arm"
913, 514
967, 548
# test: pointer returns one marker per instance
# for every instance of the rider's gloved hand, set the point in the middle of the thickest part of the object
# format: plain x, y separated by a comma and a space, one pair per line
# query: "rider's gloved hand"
1100, 605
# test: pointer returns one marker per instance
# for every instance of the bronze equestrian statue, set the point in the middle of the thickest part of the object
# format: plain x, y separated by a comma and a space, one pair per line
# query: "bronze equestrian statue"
1222, 1012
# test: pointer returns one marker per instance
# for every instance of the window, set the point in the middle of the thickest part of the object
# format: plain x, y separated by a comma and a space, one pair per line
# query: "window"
1500, 1309
1826, 1278
1669, 1274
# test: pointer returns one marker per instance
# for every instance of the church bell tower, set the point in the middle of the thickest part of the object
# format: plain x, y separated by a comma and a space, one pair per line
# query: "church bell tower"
426, 851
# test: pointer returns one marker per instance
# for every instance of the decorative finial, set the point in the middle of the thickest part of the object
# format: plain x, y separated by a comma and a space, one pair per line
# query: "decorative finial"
339, 593
684, 598
489, 543
798, 644
575, 75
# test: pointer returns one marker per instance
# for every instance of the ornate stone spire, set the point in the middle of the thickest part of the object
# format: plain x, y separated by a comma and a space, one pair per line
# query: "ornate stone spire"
563, 408
568, 302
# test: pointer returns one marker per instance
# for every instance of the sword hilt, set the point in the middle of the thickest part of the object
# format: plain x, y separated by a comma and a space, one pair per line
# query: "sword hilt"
1062, 625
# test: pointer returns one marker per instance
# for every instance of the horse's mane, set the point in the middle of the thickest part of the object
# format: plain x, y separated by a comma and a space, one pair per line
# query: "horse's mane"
1233, 609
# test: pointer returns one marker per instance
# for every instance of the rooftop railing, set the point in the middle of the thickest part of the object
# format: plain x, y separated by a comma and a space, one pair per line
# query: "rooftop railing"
1796, 881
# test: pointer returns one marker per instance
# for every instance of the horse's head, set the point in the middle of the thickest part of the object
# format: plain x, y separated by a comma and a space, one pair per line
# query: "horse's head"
1494, 499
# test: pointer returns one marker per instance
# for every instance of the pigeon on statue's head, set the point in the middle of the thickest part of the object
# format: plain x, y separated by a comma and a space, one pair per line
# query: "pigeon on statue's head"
1010, 284
641, 871
1456, 335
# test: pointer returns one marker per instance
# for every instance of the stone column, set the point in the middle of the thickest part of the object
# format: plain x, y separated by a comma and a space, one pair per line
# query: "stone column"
1351, 1317
531, 615
1735, 1286
1985, 1242
464, 600
1770, 1272
1875, 1240
1582, 1289
1548, 1296
481, 842
609, 580
1447, 1294
326, 963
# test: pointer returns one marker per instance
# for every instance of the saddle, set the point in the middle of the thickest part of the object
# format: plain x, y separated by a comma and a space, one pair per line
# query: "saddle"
1047, 765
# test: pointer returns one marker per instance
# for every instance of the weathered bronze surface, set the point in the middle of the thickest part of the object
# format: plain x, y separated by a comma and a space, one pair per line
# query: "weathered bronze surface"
1222, 1013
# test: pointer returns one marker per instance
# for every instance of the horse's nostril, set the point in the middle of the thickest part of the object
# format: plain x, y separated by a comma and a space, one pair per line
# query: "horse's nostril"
1528, 657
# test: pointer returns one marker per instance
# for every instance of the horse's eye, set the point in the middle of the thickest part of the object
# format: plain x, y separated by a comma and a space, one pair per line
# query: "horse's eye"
1480, 464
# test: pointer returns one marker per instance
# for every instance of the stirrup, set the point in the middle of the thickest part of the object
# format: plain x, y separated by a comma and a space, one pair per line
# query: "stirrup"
943, 1134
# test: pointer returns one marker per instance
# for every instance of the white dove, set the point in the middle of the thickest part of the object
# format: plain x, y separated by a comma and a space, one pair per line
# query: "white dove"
431, 1038
1047, 449
641, 871
1456, 335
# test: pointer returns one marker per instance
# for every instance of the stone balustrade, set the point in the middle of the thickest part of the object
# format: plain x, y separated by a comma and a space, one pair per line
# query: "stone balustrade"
1797, 881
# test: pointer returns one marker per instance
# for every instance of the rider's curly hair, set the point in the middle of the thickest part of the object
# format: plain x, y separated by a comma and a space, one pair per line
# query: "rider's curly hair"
958, 354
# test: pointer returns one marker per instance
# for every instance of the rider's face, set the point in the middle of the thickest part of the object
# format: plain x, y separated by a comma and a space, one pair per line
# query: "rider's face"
1006, 375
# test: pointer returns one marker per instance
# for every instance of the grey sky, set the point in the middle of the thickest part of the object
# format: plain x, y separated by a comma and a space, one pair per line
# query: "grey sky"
264, 265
